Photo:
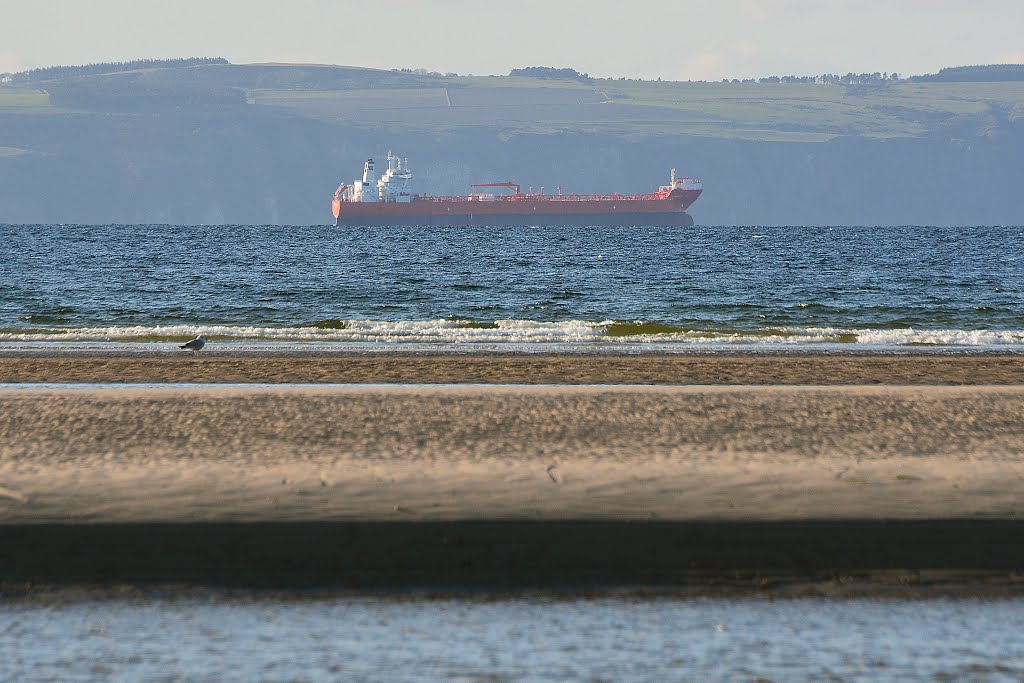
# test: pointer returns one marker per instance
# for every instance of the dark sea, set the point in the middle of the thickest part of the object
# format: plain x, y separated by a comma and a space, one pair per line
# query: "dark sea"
630, 287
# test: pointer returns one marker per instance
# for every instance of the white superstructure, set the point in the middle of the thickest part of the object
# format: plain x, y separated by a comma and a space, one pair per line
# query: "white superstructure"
366, 190
394, 186
396, 183
683, 183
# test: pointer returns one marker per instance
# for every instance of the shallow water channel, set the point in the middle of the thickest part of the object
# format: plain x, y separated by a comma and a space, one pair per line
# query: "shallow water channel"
253, 638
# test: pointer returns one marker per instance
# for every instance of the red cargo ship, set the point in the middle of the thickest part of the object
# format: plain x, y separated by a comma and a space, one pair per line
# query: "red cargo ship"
389, 200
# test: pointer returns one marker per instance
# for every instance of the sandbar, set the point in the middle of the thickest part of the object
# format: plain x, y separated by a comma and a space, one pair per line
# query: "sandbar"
710, 486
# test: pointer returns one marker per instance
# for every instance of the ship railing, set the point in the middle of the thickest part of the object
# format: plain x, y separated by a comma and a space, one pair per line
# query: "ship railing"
544, 197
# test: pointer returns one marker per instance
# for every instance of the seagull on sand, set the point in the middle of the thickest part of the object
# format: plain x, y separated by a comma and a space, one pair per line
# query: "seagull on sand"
194, 345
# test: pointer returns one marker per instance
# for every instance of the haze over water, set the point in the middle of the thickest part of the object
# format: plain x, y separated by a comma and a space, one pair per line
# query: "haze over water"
578, 287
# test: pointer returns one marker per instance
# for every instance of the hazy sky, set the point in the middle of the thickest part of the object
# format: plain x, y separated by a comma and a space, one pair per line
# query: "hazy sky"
673, 39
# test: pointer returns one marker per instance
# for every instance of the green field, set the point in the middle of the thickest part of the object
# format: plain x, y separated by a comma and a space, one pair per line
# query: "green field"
754, 111
23, 100
11, 151
778, 112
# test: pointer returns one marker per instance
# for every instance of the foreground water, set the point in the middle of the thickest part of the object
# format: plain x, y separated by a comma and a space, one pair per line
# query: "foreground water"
514, 640
578, 287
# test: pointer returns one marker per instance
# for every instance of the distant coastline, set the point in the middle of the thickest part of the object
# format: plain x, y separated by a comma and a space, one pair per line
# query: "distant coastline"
824, 149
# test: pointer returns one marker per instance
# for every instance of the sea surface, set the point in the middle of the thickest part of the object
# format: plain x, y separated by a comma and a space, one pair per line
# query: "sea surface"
630, 287
608, 639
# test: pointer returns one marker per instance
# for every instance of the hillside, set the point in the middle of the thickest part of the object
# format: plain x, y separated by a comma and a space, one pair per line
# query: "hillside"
209, 141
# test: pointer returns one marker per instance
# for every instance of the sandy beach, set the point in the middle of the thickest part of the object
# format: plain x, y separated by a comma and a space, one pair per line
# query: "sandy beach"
724, 367
690, 485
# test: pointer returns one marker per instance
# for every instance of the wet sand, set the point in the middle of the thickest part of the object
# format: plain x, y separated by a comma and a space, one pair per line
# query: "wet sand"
715, 488
732, 368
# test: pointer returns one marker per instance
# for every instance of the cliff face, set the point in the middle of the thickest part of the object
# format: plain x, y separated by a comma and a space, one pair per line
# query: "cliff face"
193, 161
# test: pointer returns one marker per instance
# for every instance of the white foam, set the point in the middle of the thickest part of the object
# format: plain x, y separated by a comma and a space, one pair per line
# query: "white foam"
832, 335
942, 337
511, 332
385, 332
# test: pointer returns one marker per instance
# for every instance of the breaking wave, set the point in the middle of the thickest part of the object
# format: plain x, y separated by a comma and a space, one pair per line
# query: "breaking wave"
512, 332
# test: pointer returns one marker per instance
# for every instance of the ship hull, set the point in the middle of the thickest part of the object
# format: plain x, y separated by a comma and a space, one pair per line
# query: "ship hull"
668, 209
668, 219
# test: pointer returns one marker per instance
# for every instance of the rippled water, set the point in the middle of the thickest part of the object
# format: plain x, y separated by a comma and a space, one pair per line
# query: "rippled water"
514, 640
705, 285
